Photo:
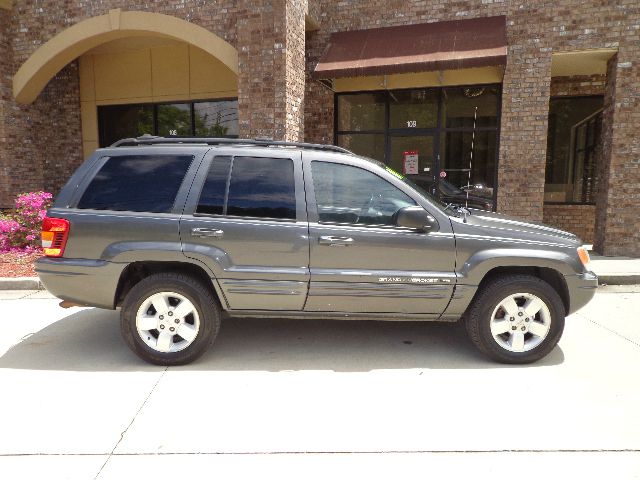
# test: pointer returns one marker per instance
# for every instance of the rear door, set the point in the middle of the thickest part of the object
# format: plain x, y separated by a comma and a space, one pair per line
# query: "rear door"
246, 220
360, 261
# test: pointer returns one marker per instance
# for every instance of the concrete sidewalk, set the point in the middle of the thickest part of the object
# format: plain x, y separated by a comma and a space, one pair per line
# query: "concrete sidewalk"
317, 399
616, 270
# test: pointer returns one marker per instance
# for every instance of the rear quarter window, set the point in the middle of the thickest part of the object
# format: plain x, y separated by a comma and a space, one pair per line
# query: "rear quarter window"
137, 183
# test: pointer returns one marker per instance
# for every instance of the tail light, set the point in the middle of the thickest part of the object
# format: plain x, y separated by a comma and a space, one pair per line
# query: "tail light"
54, 236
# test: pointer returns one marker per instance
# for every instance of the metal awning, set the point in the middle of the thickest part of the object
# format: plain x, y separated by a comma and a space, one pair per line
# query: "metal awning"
455, 44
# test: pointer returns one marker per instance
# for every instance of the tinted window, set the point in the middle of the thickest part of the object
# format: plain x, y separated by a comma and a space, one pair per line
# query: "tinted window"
137, 183
214, 189
262, 187
346, 194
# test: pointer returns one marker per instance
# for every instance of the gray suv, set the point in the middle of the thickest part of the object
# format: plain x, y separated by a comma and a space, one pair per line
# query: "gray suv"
179, 233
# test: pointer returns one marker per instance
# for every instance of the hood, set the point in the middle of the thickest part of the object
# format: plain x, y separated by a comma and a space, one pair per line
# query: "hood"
483, 223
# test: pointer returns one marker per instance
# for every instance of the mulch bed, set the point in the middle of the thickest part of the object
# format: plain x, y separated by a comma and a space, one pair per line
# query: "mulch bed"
18, 264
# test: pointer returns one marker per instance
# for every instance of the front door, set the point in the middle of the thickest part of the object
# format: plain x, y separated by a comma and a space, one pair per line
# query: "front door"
359, 260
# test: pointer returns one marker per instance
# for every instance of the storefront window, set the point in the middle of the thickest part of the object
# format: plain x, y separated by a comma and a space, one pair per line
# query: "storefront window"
413, 108
443, 139
365, 144
123, 121
361, 112
462, 106
174, 119
217, 118
573, 146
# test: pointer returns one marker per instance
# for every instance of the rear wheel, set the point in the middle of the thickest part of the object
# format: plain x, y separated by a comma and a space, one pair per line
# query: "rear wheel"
169, 319
516, 319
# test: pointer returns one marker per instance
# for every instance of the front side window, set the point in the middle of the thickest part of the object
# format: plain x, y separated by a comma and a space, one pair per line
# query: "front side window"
137, 183
346, 194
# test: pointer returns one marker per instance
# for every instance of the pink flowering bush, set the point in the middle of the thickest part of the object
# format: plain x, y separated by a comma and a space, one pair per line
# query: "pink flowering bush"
20, 230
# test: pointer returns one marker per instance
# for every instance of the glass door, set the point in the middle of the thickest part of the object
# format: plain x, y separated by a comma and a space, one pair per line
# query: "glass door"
414, 155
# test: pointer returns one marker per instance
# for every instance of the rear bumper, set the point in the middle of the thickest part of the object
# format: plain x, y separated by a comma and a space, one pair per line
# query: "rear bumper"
582, 288
86, 282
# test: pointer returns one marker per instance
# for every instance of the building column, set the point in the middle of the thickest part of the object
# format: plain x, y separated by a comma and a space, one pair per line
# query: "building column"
5, 96
618, 200
271, 39
524, 122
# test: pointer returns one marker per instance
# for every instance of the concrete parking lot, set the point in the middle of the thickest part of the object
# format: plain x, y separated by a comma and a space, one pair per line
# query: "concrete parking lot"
311, 399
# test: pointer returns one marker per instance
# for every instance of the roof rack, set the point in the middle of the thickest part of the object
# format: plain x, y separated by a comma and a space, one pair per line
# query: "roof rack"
259, 142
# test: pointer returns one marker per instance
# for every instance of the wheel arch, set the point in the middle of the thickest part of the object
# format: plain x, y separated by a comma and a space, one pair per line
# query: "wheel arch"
136, 271
549, 275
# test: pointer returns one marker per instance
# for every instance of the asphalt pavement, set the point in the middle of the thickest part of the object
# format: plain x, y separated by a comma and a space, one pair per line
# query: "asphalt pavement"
317, 399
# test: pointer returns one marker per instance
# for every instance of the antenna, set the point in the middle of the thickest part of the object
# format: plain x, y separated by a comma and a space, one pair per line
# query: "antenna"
473, 139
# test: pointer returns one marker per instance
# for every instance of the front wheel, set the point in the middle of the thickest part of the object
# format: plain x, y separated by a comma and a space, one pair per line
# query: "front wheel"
516, 319
169, 319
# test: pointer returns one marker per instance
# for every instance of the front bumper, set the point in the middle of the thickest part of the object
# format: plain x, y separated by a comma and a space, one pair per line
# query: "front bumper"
582, 287
86, 282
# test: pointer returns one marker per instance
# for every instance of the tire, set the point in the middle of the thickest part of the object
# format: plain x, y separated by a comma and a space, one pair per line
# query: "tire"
520, 332
153, 331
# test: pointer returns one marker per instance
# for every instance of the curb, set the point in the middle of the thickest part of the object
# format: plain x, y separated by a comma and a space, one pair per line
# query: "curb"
619, 279
21, 283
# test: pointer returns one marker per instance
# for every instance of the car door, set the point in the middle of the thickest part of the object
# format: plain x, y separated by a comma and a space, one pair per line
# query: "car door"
360, 260
245, 219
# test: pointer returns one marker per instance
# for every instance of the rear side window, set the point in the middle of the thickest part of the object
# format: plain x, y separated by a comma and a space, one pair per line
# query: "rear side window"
137, 183
258, 187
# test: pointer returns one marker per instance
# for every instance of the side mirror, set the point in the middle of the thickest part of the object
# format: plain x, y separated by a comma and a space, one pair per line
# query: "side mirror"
416, 217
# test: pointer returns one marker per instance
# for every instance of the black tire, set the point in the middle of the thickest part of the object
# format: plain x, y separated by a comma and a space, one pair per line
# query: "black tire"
200, 296
479, 314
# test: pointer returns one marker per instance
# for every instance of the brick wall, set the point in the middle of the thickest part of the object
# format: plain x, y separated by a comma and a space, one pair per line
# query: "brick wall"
577, 85
617, 220
577, 219
5, 97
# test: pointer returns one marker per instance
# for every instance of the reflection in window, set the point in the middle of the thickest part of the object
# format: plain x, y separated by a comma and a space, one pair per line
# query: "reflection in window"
262, 187
174, 120
459, 106
374, 201
413, 108
216, 119
124, 121
369, 145
573, 146
214, 189
363, 111
457, 160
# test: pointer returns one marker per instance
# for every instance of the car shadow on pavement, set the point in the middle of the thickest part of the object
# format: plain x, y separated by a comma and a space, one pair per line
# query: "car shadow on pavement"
89, 340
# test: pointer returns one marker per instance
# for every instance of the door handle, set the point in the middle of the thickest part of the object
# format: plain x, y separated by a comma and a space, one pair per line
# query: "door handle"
206, 232
336, 241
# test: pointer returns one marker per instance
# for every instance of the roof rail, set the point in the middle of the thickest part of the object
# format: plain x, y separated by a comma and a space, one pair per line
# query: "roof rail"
259, 142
